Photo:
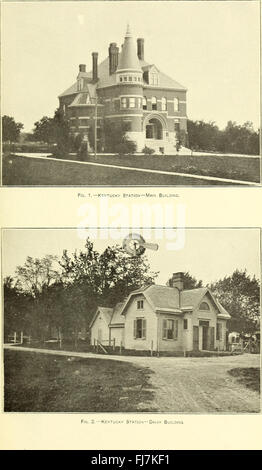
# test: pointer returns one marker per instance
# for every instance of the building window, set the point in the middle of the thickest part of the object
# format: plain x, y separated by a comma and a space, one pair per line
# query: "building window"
123, 102
164, 104
204, 306
125, 79
176, 126
116, 105
139, 328
170, 329
139, 102
144, 103
153, 79
135, 79
219, 331
185, 324
154, 103
132, 103
130, 79
176, 104
121, 79
203, 322
140, 304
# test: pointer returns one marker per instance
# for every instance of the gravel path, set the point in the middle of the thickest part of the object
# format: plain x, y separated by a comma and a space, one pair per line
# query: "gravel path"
189, 385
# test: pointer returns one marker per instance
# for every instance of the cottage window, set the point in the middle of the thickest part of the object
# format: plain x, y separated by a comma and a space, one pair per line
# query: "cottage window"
164, 104
132, 103
123, 102
154, 103
139, 328
121, 79
170, 329
140, 304
176, 104
125, 79
219, 331
144, 103
185, 324
204, 306
130, 79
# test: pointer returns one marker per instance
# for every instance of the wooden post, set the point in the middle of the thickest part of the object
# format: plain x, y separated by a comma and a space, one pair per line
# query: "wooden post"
114, 344
15, 337
120, 347
151, 351
22, 337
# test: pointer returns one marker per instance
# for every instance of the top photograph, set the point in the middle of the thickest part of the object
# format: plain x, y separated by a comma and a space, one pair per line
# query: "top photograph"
120, 94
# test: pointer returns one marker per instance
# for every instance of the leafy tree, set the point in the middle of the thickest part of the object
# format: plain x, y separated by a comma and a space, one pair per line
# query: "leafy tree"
10, 129
115, 134
17, 307
44, 130
35, 274
54, 130
189, 281
239, 294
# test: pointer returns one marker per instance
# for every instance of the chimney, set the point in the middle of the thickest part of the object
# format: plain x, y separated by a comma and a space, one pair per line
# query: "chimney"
177, 281
113, 51
94, 69
82, 68
140, 48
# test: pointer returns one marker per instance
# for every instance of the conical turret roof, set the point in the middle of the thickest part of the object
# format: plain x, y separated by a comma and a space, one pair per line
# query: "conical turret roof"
128, 56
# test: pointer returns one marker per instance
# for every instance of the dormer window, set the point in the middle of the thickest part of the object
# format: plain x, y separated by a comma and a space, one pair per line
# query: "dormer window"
80, 84
153, 78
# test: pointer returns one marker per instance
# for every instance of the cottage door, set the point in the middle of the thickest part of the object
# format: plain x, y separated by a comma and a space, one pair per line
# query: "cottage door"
195, 338
99, 335
211, 338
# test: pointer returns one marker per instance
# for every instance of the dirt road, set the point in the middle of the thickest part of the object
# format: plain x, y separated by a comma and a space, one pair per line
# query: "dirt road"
190, 385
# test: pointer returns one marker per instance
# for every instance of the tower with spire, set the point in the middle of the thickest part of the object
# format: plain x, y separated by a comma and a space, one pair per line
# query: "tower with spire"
126, 88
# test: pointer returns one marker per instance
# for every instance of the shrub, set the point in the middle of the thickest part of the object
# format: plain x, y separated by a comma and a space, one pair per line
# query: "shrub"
126, 147
148, 151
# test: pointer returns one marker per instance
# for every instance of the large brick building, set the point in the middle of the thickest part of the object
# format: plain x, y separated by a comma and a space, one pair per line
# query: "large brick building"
126, 87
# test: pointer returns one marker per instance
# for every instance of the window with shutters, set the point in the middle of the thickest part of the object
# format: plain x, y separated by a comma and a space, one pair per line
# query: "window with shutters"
139, 328
170, 329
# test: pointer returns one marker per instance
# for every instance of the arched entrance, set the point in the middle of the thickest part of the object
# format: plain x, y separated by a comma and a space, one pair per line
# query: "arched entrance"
154, 129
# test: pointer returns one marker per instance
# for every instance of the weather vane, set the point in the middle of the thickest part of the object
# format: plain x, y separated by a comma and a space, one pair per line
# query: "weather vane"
135, 245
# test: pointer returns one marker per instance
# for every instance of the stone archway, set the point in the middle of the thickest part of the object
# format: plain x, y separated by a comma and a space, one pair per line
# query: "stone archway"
155, 127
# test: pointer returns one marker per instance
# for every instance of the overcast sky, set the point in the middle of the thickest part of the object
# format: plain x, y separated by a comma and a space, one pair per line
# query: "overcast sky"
212, 48
208, 254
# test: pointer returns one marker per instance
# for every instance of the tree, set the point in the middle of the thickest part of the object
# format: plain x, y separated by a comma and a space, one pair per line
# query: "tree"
35, 274
115, 135
10, 129
189, 281
17, 307
239, 294
54, 130
44, 130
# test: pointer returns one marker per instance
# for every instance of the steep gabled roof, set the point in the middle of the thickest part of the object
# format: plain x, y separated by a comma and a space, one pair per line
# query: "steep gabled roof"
105, 311
192, 297
117, 318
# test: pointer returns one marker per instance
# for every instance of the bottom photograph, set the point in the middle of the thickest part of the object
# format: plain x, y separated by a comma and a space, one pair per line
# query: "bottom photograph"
131, 321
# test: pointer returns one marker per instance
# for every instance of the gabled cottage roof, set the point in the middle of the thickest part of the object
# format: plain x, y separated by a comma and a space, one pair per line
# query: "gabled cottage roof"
105, 311
117, 318
165, 298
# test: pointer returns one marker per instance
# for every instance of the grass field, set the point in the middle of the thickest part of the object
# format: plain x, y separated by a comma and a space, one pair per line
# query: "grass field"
20, 171
36, 382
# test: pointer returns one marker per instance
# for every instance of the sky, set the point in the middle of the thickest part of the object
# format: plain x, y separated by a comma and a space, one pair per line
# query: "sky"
208, 254
210, 47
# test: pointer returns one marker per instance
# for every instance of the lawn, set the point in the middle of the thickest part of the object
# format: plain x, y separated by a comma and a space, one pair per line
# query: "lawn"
20, 171
36, 382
